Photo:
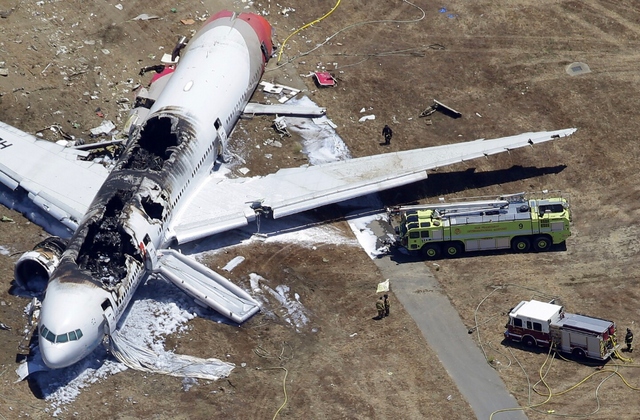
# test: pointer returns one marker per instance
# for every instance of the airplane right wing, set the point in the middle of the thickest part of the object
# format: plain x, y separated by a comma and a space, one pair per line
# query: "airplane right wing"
53, 176
225, 204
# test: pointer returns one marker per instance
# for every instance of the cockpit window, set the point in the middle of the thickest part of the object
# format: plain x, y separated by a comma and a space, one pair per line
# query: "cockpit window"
62, 338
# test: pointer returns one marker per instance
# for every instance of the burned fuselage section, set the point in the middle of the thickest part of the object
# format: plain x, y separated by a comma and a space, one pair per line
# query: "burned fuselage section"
129, 214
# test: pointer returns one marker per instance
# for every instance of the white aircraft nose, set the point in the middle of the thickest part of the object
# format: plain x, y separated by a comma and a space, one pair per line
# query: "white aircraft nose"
61, 355
71, 323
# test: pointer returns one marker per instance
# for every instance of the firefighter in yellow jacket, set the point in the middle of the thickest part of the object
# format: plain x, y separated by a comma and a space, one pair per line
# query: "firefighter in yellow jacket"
380, 308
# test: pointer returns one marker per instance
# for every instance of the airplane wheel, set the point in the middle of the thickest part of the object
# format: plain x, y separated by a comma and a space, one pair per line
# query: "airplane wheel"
520, 244
453, 250
542, 243
431, 251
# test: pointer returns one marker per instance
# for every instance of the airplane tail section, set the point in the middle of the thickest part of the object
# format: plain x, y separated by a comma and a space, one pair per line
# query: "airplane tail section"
206, 286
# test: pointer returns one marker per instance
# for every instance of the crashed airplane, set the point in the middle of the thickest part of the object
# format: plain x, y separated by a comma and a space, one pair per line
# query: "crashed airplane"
161, 191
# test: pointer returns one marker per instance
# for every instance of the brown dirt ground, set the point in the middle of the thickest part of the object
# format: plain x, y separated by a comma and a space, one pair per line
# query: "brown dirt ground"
502, 65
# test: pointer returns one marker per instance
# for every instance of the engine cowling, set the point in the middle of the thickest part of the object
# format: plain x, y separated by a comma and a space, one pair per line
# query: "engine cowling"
34, 268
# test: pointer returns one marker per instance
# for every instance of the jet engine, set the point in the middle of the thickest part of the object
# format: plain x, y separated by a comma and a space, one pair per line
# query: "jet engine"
34, 268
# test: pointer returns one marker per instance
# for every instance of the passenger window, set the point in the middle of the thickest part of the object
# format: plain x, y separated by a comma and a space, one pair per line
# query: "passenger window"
414, 235
424, 234
62, 338
425, 224
537, 326
73, 336
517, 322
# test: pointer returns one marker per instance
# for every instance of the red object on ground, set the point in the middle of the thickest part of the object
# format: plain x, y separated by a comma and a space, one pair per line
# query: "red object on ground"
324, 79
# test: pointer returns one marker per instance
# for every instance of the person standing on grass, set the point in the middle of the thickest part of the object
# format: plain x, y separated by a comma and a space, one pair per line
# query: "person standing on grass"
387, 133
380, 308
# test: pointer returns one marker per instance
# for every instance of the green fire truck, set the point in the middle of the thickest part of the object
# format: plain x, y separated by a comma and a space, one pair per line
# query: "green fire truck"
508, 221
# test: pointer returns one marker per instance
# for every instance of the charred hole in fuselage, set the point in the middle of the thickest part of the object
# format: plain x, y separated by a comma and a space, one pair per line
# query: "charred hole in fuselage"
153, 209
155, 144
107, 243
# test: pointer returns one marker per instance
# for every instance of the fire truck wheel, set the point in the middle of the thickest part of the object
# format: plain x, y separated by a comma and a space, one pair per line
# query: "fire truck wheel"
431, 251
529, 341
578, 353
541, 243
520, 244
453, 249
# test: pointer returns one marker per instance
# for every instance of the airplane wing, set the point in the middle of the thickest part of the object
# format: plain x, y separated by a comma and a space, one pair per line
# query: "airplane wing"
225, 204
52, 175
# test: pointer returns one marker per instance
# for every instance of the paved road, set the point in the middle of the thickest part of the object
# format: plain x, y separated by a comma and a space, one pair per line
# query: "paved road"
420, 294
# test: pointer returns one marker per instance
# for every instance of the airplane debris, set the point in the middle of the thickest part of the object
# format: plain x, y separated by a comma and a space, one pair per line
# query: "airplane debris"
233, 263
324, 79
439, 106
187, 21
146, 360
6, 219
105, 128
284, 109
145, 16
367, 117
324, 120
577, 68
281, 126
4, 326
276, 89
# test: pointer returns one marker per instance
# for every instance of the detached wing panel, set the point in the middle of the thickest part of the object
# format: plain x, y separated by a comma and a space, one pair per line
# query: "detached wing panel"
52, 175
224, 204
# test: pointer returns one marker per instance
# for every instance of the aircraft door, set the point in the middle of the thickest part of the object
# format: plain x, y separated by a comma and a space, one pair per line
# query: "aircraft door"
222, 139
109, 316
151, 256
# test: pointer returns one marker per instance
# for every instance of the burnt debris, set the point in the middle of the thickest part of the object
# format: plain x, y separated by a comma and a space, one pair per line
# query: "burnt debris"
156, 143
106, 245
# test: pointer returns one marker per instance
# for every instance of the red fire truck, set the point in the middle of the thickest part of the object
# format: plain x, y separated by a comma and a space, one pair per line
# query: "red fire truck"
543, 324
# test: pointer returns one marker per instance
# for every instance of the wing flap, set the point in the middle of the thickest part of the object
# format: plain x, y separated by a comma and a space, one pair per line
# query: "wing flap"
222, 204
56, 180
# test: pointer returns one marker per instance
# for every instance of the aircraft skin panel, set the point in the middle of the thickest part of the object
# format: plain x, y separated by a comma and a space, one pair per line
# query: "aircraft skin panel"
56, 180
294, 190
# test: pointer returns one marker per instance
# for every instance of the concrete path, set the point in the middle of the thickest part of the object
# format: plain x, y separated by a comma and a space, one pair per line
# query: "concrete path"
421, 295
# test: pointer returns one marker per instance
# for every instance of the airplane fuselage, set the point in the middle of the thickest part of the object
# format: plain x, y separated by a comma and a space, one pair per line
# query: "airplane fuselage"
167, 157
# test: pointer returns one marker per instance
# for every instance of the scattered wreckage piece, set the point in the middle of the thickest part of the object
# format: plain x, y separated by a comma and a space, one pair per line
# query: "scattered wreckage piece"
283, 109
276, 89
324, 79
439, 106
281, 126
